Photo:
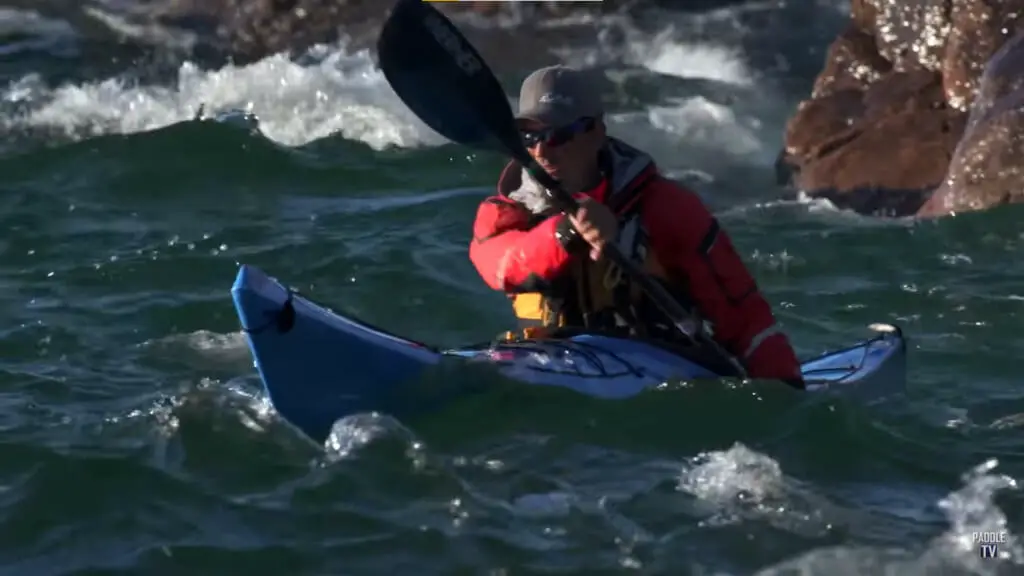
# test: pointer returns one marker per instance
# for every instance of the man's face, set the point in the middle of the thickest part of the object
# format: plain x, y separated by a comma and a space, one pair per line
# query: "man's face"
568, 153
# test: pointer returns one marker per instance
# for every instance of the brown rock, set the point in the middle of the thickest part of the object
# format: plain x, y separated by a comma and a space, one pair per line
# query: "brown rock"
900, 136
901, 92
912, 33
979, 28
853, 62
904, 151
820, 121
987, 169
1002, 81
884, 128
258, 28
836, 101
863, 14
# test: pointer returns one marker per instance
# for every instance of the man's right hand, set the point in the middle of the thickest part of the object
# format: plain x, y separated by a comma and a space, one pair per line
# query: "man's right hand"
596, 224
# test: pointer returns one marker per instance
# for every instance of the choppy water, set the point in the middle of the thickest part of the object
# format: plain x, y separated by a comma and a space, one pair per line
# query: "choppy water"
136, 439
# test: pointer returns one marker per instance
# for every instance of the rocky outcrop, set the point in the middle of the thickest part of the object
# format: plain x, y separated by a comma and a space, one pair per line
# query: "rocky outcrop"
987, 169
887, 124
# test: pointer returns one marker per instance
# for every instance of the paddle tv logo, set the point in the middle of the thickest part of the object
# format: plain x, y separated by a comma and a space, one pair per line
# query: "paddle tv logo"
988, 543
452, 44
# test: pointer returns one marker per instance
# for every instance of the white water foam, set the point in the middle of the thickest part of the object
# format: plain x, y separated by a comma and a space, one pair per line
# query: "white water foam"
329, 92
161, 415
334, 91
737, 129
665, 54
686, 131
204, 349
740, 483
969, 510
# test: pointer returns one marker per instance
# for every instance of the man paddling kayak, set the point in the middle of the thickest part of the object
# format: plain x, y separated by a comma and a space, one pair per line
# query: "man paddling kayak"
549, 263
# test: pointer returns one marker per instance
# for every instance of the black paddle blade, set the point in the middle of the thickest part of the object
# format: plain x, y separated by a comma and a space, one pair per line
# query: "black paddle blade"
444, 81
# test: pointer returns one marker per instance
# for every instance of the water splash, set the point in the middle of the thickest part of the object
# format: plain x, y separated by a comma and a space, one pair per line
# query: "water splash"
330, 91
740, 484
970, 509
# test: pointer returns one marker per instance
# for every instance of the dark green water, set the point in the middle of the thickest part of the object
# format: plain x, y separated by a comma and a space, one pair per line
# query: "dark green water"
136, 439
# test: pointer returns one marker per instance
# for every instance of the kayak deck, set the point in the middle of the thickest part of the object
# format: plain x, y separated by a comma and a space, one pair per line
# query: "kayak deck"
318, 366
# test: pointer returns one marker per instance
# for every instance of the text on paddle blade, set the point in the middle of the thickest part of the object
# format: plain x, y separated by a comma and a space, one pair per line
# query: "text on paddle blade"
452, 44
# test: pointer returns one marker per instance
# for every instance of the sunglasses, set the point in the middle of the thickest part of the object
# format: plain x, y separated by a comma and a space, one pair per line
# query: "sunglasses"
557, 136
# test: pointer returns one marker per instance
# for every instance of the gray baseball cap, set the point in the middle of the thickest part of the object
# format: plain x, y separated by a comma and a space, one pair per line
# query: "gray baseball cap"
558, 95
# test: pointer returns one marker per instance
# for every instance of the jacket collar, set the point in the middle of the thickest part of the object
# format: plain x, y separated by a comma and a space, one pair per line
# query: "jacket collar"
623, 165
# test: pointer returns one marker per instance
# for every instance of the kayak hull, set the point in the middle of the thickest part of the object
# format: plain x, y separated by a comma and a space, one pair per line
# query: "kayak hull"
318, 366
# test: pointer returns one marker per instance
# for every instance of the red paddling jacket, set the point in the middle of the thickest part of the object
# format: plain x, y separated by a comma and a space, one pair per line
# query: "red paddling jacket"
524, 247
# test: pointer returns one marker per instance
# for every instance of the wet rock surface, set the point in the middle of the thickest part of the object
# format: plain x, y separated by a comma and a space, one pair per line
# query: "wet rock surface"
904, 119
986, 169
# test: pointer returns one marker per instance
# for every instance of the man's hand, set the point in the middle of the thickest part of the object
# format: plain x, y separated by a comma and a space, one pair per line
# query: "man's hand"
596, 224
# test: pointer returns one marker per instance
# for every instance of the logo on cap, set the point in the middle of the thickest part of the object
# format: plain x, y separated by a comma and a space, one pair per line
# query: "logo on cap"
553, 98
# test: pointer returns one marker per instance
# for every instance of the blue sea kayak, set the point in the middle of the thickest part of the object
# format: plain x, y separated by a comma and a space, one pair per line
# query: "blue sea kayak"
318, 366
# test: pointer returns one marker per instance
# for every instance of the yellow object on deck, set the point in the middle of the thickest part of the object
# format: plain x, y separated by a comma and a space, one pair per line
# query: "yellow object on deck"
529, 333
